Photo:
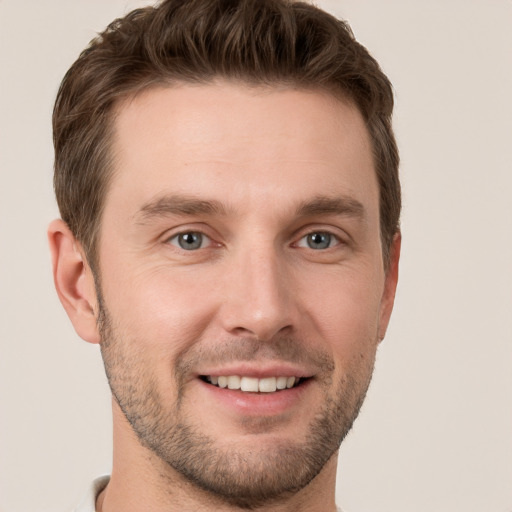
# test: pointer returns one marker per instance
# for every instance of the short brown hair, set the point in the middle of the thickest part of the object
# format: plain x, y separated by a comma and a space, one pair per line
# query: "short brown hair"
258, 42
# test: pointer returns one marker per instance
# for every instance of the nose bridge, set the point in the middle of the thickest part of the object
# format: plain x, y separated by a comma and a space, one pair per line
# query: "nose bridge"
258, 300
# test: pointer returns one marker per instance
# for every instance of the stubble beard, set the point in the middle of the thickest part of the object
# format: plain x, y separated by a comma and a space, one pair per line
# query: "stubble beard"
246, 478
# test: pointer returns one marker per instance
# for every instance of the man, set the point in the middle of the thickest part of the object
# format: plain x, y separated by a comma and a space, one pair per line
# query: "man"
227, 178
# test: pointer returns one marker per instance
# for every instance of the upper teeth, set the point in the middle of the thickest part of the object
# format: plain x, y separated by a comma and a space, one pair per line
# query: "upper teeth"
265, 385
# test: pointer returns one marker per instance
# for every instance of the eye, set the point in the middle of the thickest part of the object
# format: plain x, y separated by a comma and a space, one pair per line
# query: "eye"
190, 240
318, 240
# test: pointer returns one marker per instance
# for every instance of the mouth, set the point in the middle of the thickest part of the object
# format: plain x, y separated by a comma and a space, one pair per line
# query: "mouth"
253, 384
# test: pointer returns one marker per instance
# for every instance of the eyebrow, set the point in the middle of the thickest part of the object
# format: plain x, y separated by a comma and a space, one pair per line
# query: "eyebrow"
325, 205
189, 205
178, 205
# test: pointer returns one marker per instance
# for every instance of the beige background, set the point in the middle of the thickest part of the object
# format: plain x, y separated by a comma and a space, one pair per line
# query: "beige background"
436, 431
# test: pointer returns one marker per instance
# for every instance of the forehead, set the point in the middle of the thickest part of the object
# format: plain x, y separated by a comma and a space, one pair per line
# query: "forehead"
242, 144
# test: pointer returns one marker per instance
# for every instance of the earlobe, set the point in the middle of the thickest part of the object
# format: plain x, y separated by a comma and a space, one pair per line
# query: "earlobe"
391, 280
73, 280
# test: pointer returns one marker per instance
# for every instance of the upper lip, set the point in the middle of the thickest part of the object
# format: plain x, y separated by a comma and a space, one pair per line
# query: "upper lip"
260, 370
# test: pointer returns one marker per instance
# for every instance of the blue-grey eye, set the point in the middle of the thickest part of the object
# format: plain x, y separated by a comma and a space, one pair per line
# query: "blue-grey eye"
189, 241
318, 240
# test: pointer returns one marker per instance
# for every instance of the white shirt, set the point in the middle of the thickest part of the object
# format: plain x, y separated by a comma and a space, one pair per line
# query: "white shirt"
88, 504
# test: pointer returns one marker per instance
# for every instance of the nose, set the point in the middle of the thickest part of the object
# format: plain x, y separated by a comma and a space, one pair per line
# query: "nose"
257, 297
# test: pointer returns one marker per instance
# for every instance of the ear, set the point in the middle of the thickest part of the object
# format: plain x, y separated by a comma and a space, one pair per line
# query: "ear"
391, 280
73, 280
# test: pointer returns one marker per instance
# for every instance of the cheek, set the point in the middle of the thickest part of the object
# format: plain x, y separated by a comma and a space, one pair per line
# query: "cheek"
161, 309
346, 313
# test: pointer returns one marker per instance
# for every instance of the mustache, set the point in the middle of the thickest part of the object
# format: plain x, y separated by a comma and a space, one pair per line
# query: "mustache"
282, 348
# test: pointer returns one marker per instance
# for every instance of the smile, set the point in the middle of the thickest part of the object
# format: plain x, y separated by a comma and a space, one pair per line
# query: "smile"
253, 384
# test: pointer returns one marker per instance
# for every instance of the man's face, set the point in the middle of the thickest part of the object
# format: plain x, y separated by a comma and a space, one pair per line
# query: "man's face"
240, 247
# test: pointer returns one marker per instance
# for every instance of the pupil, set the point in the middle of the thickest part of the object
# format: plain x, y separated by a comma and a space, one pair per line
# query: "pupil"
319, 240
190, 241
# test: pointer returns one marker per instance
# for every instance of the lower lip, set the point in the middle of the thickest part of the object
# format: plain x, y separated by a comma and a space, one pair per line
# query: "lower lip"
257, 404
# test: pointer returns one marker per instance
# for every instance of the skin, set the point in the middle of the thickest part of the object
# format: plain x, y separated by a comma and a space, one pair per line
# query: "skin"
278, 165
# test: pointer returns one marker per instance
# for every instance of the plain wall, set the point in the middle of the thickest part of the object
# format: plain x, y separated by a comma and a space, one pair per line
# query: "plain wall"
435, 433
